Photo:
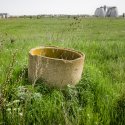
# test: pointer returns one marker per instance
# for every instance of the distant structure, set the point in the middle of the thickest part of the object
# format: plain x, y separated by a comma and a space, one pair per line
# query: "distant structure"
106, 12
3, 15
112, 12
100, 12
123, 15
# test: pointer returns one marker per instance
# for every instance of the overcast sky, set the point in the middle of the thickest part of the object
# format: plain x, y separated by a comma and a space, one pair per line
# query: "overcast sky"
29, 7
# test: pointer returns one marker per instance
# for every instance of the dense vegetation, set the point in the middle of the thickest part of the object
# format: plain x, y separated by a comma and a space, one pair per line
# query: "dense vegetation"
98, 99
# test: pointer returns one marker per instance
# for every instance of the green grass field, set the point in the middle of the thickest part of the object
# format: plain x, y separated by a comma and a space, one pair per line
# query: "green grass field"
98, 99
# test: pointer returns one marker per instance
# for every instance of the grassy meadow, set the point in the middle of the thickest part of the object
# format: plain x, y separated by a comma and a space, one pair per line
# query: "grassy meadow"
98, 99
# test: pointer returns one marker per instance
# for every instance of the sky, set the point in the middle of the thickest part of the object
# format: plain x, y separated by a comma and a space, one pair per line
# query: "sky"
34, 7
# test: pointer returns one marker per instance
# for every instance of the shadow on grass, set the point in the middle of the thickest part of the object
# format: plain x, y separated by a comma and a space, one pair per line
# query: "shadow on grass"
42, 87
119, 112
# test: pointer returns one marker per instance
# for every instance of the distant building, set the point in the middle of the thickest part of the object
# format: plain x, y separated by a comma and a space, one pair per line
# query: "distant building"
100, 12
123, 15
3, 15
106, 12
112, 12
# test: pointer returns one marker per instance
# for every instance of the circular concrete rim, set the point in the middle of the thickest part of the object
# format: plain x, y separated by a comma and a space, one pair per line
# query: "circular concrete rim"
82, 56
